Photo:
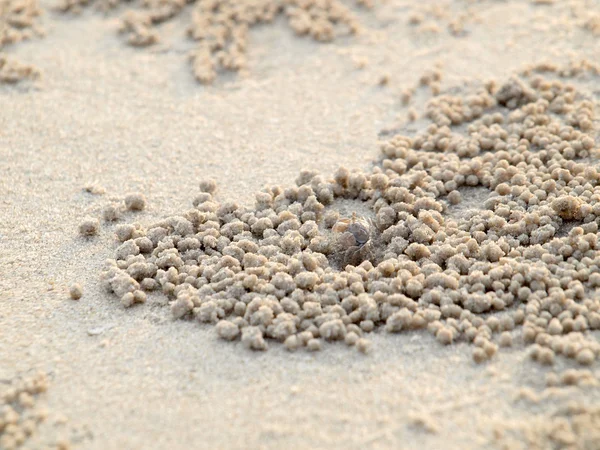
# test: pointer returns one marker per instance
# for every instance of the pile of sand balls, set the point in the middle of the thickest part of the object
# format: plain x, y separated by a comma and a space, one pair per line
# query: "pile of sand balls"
18, 22
19, 415
220, 27
523, 267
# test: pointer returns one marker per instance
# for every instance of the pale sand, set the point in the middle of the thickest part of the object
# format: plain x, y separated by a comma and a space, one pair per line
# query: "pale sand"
136, 120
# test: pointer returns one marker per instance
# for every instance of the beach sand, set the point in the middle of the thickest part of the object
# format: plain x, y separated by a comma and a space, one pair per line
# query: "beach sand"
116, 119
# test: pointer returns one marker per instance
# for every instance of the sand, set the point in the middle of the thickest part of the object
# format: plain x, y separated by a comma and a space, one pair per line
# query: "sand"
105, 120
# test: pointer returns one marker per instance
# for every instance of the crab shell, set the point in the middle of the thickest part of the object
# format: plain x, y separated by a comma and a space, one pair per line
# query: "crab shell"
358, 228
360, 232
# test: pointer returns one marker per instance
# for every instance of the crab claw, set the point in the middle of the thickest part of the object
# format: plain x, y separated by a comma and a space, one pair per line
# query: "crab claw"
347, 240
341, 226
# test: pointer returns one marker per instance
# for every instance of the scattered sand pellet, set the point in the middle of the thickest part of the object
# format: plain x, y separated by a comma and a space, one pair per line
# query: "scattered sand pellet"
76, 291
94, 189
227, 330
384, 79
363, 345
506, 339
585, 357
89, 226
208, 186
127, 300
63, 444
252, 338
546, 356
292, 343
135, 201
412, 114
424, 421
313, 345
111, 212
454, 197
479, 355
351, 338
444, 336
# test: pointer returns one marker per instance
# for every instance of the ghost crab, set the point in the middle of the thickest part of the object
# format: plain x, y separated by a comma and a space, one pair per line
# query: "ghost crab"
355, 239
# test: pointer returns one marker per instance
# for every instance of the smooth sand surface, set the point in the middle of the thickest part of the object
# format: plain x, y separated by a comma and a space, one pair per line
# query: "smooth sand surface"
129, 119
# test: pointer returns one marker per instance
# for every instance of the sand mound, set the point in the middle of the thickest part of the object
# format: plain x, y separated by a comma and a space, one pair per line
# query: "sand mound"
293, 269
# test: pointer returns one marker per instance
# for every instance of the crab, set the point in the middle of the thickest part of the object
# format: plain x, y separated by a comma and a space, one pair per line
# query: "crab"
354, 241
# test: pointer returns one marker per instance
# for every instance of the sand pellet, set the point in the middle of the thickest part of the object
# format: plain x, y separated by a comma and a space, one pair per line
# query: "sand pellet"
89, 226
135, 201
76, 291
